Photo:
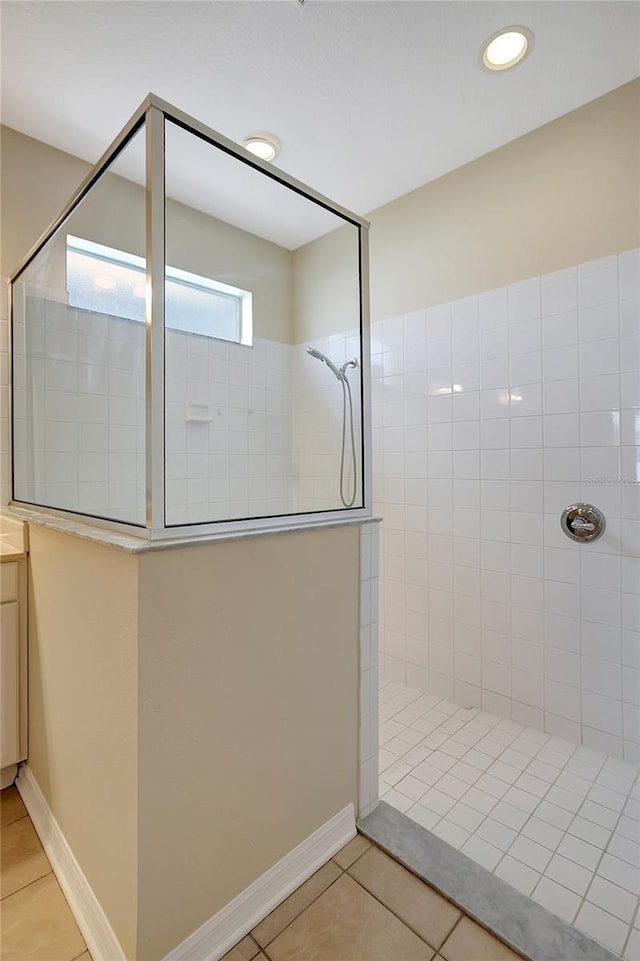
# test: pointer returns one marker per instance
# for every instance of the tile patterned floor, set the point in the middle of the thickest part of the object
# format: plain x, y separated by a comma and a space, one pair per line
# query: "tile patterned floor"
557, 821
37, 924
360, 906
363, 906
560, 823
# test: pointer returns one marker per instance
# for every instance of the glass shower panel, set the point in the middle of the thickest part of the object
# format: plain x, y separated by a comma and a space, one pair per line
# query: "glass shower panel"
79, 336
254, 420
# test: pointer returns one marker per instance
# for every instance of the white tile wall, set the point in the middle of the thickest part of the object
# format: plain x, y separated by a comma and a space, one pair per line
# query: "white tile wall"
491, 415
79, 411
228, 420
250, 431
236, 460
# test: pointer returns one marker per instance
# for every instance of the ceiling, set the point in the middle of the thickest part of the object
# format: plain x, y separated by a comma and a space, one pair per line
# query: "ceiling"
369, 99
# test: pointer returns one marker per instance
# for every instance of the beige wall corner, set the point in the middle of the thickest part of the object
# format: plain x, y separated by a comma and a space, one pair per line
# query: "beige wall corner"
37, 180
83, 730
248, 715
197, 242
564, 194
325, 285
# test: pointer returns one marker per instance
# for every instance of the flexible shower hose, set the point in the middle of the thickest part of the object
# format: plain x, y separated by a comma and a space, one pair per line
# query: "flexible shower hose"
346, 394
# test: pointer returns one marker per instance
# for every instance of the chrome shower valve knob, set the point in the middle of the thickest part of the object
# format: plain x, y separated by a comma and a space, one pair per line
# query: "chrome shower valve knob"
583, 522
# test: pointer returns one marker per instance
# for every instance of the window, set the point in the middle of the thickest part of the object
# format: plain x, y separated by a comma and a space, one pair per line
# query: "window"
110, 281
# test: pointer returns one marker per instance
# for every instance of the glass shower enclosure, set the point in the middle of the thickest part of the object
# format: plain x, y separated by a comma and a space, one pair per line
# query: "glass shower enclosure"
188, 355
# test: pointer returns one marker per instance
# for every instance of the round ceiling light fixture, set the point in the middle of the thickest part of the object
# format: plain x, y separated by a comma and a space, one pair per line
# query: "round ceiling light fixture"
507, 47
263, 145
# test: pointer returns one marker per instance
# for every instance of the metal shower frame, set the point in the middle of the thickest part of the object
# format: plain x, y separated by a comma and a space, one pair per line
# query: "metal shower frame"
152, 114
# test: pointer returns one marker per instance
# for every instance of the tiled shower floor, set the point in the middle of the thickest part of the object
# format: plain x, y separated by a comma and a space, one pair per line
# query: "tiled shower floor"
557, 821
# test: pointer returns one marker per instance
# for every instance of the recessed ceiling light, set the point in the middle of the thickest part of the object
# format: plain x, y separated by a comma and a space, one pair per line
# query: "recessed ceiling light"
506, 48
263, 145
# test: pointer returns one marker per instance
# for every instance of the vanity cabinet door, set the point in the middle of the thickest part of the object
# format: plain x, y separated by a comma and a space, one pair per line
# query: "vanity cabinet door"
9, 685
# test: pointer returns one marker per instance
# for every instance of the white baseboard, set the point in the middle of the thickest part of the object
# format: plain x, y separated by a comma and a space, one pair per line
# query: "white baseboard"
95, 928
236, 919
217, 935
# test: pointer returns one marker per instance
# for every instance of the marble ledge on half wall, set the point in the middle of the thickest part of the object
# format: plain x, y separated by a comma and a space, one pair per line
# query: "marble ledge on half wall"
130, 544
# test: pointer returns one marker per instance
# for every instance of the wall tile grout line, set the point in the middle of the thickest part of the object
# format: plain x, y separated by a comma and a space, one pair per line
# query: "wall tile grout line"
564, 339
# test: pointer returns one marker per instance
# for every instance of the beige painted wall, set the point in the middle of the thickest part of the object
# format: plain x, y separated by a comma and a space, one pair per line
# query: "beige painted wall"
206, 246
37, 180
83, 723
325, 285
193, 714
248, 715
564, 194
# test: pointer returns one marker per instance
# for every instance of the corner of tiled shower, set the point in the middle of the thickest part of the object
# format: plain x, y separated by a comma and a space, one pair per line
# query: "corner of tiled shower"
491, 415
510, 656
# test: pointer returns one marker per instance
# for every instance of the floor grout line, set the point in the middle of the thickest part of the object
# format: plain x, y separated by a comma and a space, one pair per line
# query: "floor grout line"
76, 956
25, 887
600, 859
346, 871
6, 897
565, 833
15, 821
635, 917
306, 907
402, 920
397, 704
377, 899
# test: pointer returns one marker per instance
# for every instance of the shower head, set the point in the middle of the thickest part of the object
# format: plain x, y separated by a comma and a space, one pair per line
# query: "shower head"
341, 374
315, 353
320, 356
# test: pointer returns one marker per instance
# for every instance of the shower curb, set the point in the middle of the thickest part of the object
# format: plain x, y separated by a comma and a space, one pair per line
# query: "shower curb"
525, 926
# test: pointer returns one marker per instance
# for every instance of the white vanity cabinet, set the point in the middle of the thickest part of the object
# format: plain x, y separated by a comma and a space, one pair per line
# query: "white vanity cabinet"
13, 661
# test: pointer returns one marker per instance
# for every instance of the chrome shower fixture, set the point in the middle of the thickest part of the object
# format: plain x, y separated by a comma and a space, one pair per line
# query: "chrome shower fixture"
349, 363
346, 496
338, 371
325, 360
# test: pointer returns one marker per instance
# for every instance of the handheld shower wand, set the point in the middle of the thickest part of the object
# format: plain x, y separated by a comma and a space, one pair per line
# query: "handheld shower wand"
324, 359
340, 372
